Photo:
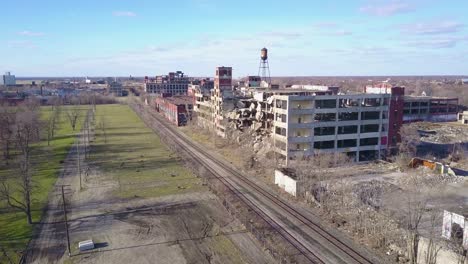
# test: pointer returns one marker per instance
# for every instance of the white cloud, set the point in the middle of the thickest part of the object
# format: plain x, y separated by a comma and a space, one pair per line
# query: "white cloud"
437, 43
387, 9
338, 33
30, 33
21, 44
124, 14
443, 27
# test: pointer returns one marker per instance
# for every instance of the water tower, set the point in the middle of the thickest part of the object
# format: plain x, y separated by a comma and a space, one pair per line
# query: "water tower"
264, 68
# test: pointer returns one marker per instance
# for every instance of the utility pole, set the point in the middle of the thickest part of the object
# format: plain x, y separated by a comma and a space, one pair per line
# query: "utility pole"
66, 221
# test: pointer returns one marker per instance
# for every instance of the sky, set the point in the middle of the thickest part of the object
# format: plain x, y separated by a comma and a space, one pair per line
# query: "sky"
304, 37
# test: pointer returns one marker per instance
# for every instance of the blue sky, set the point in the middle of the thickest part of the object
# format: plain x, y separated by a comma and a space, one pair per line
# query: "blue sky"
304, 37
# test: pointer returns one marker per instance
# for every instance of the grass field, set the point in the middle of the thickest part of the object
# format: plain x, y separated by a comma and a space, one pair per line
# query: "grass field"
135, 156
46, 163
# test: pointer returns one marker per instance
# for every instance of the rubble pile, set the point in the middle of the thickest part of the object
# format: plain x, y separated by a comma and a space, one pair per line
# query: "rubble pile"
248, 113
424, 176
442, 133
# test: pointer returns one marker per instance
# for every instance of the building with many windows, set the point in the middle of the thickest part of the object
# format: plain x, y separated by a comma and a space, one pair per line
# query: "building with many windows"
7, 79
431, 109
177, 109
175, 83
355, 124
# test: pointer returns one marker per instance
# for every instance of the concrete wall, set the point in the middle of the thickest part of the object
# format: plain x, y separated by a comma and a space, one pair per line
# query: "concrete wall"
286, 183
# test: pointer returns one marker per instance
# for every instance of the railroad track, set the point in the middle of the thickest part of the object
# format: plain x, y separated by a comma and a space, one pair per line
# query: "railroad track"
263, 203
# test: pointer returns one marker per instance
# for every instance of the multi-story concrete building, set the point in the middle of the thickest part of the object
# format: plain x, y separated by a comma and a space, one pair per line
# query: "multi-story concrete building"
428, 108
202, 104
115, 88
395, 110
175, 83
222, 98
355, 124
7, 79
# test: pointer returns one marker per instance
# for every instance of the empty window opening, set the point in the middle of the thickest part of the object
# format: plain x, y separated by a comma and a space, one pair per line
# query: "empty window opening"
324, 131
370, 128
374, 115
347, 130
369, 141
348, 116
325, 117
371, 102
280, 131
324, 144
347, 143
325, 103
348, 103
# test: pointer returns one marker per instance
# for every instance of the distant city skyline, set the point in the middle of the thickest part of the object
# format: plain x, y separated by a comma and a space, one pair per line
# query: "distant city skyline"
305, 38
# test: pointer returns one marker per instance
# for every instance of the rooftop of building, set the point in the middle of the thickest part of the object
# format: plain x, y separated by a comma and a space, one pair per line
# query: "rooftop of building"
425, 98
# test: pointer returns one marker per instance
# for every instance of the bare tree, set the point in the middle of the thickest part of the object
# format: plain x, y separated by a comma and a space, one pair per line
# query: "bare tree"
26, 132
73, 113
7, 121
103, 125
51, 123
410, 139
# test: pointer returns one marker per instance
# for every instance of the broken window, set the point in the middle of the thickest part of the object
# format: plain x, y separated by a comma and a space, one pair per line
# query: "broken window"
284, 104
325, 117
371, 102
369, 141
324, 144
324, 131
347, 130
374, 115
280, 131
347, 143
348, 116
280, 118
330, 103
346, 103
369, 128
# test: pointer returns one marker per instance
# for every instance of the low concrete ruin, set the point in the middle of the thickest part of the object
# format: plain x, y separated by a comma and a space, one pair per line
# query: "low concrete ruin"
286, 179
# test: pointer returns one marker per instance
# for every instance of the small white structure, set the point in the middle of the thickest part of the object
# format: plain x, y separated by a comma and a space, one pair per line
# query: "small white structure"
286, 179
86, 245
463, 117
453, 223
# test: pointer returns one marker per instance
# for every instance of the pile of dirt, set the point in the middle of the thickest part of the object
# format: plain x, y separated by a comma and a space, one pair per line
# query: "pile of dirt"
442, 133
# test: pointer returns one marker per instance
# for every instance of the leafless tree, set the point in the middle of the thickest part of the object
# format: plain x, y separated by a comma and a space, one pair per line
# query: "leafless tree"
7, 121
433, 246
52, 123
73, 113
103, 126
410, 139
26, 133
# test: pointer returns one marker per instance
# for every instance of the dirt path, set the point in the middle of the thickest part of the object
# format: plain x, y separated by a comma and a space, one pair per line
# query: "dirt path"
49, 243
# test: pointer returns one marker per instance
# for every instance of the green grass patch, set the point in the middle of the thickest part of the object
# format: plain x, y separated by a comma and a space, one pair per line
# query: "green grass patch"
135, 156
224, 247
46, 163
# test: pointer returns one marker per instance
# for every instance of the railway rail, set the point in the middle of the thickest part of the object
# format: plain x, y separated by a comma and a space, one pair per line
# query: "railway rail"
315, 243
